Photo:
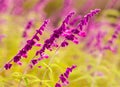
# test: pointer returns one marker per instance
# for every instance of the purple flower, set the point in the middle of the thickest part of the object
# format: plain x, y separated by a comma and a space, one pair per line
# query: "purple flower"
17, 58
67, 32
75, 31
31, 42
28, 26
75, 20
28, 47
70, 37
34, 61
68, 17
109, 44
114, 36
65, 76
36, 37
43, 25
8, 66
24, 34
73, 67
58, 85
22, 52
82, 34
87, 17
62, 78
63, 44
56, 34
39, 32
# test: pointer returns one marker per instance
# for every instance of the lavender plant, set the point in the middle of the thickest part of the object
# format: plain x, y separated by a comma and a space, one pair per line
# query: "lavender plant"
72, 36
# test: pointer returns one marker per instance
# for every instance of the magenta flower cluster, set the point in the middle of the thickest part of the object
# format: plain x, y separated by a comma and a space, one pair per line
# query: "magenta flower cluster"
64, 77
27, 47
109, 45
66, 31
28, 26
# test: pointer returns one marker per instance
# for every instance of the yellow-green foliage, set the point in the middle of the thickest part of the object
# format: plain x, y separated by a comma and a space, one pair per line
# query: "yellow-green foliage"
80, 77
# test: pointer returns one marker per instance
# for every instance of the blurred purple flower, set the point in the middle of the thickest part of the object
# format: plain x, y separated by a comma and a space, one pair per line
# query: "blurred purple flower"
28, 46
64, 77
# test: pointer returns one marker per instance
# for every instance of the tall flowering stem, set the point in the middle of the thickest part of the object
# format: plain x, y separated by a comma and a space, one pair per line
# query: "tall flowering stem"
65, 31
110, 42
70, 34
28, 26
30, 43
49, 42
63, 81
